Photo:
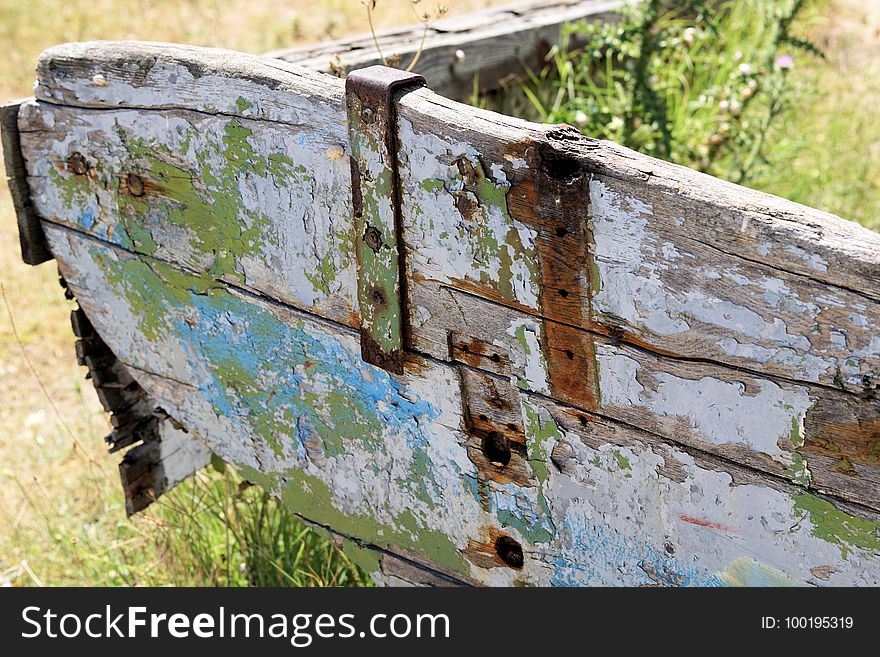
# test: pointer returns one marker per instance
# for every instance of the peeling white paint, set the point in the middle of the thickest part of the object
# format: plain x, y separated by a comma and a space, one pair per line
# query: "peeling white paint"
718, 412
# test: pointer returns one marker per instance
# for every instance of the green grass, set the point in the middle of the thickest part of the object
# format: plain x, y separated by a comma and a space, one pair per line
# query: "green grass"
835, 163
822, 150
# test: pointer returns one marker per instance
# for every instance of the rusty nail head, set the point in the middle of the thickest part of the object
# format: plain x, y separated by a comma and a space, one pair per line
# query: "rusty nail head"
77, 163
373, 238
135, 185
377, 297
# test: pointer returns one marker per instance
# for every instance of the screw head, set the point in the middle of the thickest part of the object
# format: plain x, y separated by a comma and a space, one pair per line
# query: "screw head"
373, 238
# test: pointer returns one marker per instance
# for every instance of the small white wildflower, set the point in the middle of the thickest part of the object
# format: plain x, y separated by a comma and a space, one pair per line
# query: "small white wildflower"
689, 37
724, 105
745, 69
737, 56
747, 92
735, 107
616, 123
702, 100
753, 85
580, 117
723, 128
35, 419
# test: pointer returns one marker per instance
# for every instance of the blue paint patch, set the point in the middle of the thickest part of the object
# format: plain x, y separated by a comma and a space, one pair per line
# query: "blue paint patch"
87, 218
524, 509
597, 555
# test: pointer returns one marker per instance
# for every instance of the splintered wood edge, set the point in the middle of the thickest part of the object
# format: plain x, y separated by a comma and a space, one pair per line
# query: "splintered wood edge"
34, 249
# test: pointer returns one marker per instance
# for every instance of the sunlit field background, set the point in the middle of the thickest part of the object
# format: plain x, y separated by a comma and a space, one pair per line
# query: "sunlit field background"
62, 519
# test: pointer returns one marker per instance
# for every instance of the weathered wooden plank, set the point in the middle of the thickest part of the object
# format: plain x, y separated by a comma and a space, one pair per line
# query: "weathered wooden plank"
499, 208
812, 435
249, 201
603, 503
31, 239
479, 50
186, 214
680, 262
785, 322
544, 268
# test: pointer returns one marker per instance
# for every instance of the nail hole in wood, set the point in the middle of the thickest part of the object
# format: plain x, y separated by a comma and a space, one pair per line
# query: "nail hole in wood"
563, 293
496, 448
561, 232
570, 354
495, 358
509, 551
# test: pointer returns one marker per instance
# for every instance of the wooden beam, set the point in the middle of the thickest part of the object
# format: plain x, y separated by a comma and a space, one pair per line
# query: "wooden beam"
477, 51
34, 250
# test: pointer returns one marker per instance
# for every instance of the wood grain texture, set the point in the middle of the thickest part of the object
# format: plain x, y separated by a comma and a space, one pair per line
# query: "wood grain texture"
603, 503
480, 50
607, 353
34, 250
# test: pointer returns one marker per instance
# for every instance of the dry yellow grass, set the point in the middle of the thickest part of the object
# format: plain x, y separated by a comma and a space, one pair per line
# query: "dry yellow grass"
61, 513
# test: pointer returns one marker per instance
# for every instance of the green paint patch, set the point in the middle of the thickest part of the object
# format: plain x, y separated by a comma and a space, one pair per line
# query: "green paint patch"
798, 472
489, 245
844, 466
204, 198
622, 462
533, 528
538, 433
368, 560
313, 499
834, 526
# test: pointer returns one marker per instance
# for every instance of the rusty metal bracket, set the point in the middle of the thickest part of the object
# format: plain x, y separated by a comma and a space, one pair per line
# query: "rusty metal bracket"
370, 96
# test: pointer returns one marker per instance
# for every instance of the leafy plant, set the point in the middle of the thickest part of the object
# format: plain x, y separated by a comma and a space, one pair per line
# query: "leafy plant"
218, 530
696, 82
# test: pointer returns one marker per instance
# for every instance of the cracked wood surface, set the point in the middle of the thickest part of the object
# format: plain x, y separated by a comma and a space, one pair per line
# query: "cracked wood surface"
623, 362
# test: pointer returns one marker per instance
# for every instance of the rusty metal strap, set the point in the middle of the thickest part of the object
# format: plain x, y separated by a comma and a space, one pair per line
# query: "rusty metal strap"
370, 95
